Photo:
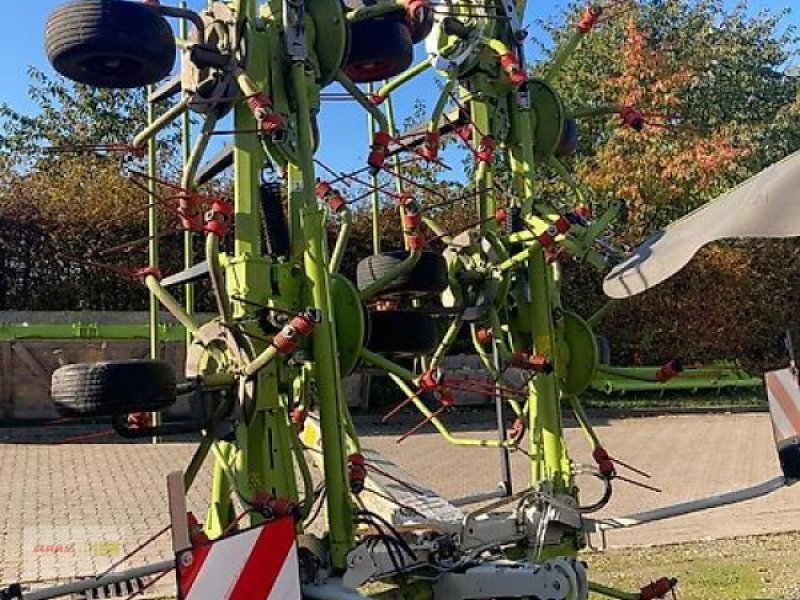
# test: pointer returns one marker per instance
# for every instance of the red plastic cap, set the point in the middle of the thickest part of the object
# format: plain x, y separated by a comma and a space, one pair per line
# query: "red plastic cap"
271, 123
415, 7
145, 272
589, 19
382, 138
484, 335
376, 159
670, 370
216, 227
336, 202
447, 397
322, 189
562, 225
658, 589
415, 242
512, 68
604, 462
632, 118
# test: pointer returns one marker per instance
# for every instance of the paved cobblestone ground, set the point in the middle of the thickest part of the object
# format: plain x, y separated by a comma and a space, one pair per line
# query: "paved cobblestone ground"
76, 493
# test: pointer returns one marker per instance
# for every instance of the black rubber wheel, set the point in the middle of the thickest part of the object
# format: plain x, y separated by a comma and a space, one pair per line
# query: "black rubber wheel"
110, 43
427, 278
380, 48
570, 140
112, 388
401, 332
420, 29
603, 349
273, 218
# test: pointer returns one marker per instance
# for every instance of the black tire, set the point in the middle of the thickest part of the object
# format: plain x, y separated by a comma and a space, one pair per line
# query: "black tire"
273, 218
570, 140
110, 43
420, 29
380, 48
603, 349
402, 332
427, 278
112, 388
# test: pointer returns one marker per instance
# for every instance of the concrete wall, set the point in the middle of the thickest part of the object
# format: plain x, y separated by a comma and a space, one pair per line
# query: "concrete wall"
26, 365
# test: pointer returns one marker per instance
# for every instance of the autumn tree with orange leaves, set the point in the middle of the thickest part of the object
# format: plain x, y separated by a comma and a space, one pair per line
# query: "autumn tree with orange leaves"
720, 104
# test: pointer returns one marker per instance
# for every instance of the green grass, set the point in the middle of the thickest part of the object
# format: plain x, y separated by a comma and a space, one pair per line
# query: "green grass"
751, 568
744, 398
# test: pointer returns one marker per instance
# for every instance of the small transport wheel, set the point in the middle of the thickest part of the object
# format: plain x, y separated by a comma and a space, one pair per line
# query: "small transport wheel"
402, 332
603, 349
114, 387
380, 48
110, 43
427, 278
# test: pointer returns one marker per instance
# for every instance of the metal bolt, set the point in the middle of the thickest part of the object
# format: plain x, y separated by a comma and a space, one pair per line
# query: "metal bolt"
187, 558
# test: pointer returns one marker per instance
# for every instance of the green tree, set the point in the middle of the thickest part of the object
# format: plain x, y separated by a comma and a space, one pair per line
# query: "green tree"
56, 206
718, 79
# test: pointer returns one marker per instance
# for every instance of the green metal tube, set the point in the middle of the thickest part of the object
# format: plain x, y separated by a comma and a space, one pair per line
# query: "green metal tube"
351, 435
363, 100
601, 313
9, 332
496, 375
440, 427
567, 178
584, 422
563, 54
437, 230
160, 123
234, 480
612, 593
402, 378
447, 341
186, 150
217, 278
398, 180
441, 104
220, 507
341, 240
387, 365
374, 10
152, 232
628, 385
326, 365
595, 111
403, 78
499, 335
192, 157
519, 258
261, 361
153, 243
305, 475
373, 180
547, 416
171, 304
196, 463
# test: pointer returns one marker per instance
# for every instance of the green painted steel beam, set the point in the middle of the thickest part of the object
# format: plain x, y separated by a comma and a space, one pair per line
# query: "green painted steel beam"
10, 332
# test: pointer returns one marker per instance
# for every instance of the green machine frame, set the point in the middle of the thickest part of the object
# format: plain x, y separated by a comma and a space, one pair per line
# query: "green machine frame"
273, 60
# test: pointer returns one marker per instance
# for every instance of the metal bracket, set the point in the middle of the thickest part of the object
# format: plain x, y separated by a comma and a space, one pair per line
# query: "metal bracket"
559, 579
294, 30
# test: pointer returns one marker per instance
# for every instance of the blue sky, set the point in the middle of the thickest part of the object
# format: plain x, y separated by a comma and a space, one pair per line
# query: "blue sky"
343, 125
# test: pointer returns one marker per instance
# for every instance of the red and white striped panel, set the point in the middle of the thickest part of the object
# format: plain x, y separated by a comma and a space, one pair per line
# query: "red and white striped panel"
256, 564
783, 393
